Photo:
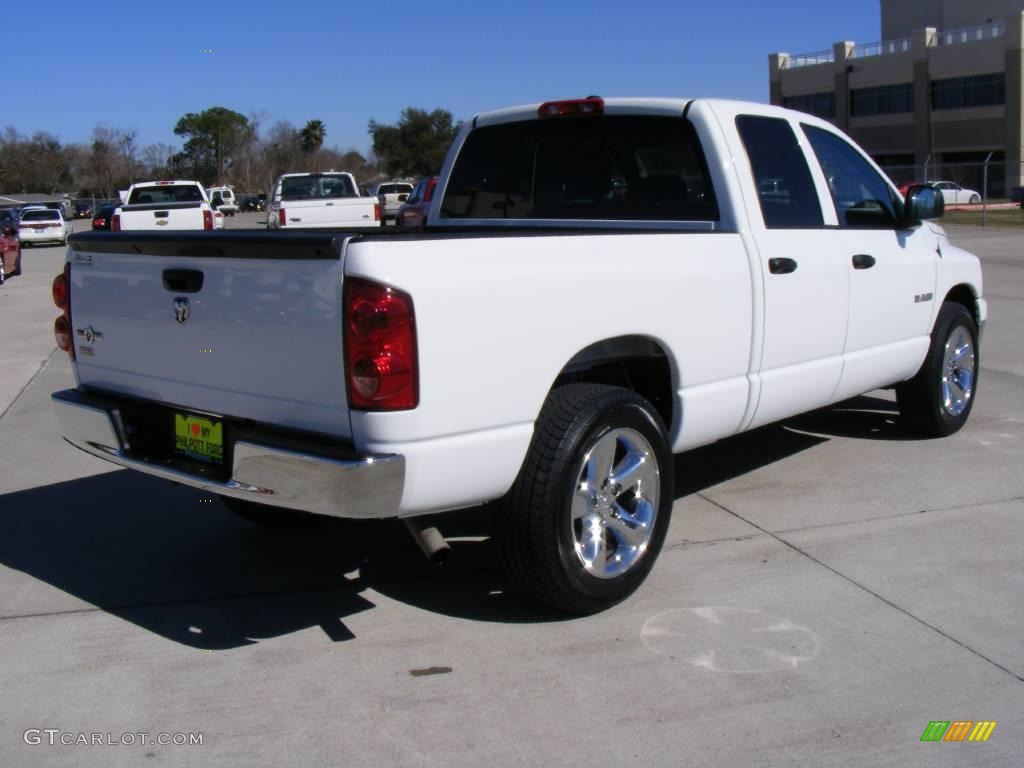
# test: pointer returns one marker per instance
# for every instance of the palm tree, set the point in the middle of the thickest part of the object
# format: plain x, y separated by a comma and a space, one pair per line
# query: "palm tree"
312, 137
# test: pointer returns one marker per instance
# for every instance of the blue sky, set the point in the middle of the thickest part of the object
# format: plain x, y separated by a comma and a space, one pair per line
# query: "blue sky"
143, 64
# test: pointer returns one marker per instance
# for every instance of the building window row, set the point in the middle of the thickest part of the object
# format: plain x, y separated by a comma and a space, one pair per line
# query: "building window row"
819, 104
951, 93
977, 91
882, 100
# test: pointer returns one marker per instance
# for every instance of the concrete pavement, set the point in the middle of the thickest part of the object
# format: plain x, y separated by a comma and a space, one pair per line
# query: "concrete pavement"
829, 586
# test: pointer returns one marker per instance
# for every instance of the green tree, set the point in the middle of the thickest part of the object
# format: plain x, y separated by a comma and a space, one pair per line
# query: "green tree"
212, 139
416, 144
312, 136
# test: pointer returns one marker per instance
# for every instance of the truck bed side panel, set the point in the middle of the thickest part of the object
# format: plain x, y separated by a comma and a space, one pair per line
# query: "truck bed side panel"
499, 317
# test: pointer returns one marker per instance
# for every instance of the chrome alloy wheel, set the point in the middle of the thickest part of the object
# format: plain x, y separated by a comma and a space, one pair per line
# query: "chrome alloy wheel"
958, 364
615, 503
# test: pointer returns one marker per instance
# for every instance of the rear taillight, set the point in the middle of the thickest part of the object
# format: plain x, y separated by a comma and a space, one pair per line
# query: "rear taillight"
380, 347
281, 219
207, 219
376, 211
61, 292
115, 223
431, 186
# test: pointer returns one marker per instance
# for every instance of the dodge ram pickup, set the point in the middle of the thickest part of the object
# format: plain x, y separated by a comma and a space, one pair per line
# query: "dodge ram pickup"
601, 284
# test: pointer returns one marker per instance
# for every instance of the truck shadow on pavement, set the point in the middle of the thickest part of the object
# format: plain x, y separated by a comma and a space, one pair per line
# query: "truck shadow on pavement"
178, 563
861, 418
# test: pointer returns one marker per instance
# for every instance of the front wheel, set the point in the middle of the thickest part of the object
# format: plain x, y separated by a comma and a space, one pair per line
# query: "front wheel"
975, 199
585, 519
938, 400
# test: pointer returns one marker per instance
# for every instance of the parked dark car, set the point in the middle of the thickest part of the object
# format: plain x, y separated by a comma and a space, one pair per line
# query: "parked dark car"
103, 216
413, 212
249, 203
83, 210
1017, 196
10, 249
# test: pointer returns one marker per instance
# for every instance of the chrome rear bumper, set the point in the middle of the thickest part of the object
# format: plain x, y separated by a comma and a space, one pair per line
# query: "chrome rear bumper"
360, 487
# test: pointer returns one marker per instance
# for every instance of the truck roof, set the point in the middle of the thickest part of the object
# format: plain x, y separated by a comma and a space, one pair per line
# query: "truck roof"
315, 173
671, 107
164, 183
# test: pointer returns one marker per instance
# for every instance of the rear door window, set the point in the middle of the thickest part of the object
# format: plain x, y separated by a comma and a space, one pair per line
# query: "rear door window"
785, 189
40, 216
592, 168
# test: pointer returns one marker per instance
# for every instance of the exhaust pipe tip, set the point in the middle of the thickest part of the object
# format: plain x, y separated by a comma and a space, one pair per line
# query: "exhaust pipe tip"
430, 540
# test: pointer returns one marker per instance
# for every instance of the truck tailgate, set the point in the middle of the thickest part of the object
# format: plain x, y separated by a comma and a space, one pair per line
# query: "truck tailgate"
165, 216
339, 212
247, 326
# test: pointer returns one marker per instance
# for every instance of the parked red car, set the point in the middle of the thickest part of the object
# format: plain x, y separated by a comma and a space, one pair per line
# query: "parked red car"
10, 251
903, 188
413, 212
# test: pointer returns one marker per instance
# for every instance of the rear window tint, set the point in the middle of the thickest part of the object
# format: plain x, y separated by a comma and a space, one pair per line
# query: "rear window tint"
169, 193
595, 168
785, 189
40, 216
317, 186
394, 189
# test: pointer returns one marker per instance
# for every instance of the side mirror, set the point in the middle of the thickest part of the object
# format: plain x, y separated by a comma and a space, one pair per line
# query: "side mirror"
924, 203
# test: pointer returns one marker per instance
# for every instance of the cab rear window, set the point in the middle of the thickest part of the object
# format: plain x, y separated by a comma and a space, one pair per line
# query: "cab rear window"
593, 168
317, 186
165, 193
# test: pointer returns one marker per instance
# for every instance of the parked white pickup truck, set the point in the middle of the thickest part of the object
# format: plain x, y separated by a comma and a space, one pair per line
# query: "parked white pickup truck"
160, 205
320, 200
602, 283
391, 195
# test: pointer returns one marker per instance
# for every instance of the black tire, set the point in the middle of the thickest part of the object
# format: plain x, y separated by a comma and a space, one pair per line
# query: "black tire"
535, 519
277, 518
923, 404
17, 265
975, 199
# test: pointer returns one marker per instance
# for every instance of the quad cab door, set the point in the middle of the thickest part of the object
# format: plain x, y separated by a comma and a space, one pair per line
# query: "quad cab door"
892, 271
805, 281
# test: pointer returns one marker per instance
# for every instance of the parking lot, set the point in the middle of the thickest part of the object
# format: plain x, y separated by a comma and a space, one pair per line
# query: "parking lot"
829, 586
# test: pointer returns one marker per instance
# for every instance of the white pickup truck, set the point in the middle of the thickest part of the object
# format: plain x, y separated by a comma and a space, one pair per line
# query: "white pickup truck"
391, 195
328, 200
601, 284
164, 205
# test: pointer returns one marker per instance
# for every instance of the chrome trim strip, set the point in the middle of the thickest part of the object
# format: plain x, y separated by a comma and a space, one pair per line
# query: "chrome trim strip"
363, 488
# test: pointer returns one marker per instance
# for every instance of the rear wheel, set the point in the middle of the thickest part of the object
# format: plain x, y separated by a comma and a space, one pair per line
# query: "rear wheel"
938, 400
17, 265
585, 519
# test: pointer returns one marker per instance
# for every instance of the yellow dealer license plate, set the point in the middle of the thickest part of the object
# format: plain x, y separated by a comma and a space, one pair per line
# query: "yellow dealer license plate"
198, 438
